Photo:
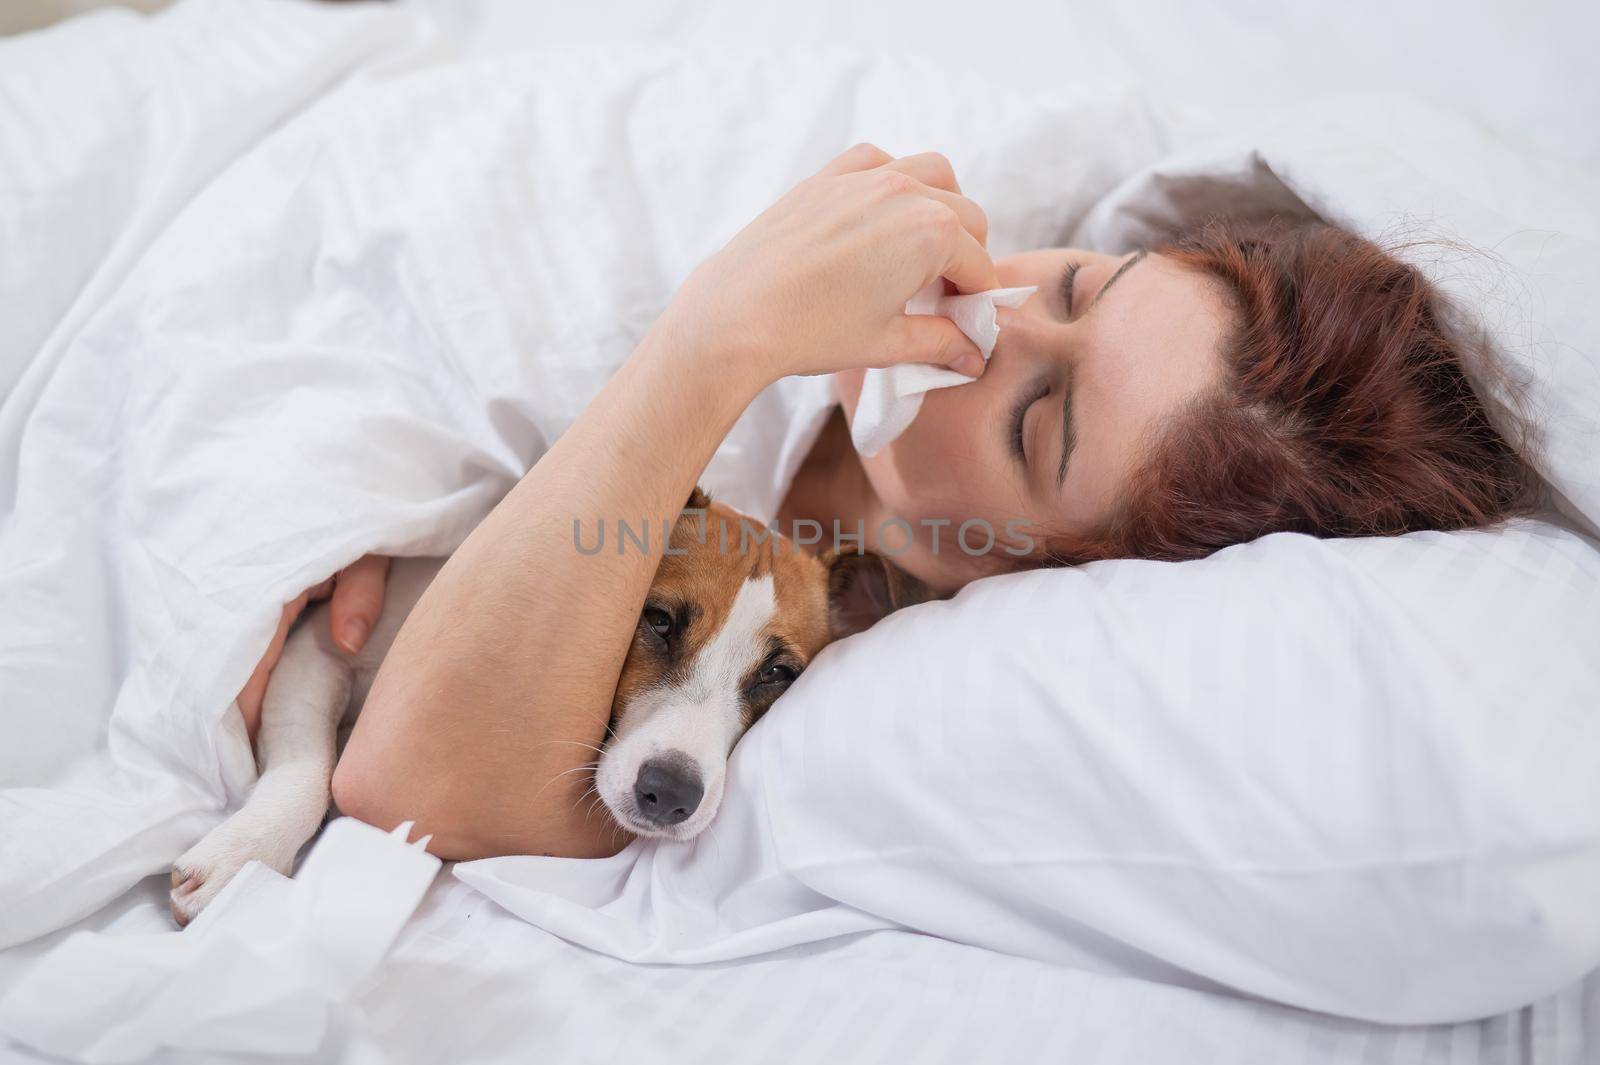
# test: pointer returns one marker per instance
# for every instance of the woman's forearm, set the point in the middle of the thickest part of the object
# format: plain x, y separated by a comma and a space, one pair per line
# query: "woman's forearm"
498, 688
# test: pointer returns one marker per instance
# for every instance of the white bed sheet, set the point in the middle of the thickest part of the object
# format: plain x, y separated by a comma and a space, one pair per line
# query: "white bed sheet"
468, 981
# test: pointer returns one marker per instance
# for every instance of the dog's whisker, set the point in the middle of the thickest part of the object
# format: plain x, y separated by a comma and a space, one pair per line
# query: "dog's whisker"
574, 743
587, 767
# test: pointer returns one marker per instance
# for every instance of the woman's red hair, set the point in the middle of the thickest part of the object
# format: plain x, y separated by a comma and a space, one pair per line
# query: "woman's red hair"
1344, 408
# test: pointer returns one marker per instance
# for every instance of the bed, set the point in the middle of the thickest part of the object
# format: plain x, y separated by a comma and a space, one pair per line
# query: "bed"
237, 198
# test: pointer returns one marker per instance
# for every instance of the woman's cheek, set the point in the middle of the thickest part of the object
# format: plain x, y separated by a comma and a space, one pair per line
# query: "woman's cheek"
938, 469
945, 439
930, 469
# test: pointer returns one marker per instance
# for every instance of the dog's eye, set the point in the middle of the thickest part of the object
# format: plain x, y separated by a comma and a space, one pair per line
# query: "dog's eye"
777, 673
659, 621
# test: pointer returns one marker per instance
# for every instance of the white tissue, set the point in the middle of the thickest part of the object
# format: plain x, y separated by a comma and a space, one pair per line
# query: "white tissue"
260, 970
890, 398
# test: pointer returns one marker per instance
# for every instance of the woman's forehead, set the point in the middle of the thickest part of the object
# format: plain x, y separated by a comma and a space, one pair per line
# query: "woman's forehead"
1149, 349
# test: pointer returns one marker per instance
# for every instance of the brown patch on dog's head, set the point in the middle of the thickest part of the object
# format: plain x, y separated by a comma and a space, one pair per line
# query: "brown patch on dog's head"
715, 550
733, 616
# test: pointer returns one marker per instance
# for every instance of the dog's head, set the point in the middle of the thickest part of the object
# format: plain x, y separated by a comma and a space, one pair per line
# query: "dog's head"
734, 615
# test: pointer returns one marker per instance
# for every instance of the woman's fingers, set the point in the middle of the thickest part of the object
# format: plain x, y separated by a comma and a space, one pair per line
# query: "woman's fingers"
972, 218
932, 339
893, 182
857, 157
967, 262
939, 179
930, 168
358, 600
934, 179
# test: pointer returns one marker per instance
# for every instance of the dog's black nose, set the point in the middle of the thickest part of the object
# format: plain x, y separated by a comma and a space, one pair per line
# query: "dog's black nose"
667, 791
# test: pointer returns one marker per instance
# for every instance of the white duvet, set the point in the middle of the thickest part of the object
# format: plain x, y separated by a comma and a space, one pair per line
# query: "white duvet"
287, 284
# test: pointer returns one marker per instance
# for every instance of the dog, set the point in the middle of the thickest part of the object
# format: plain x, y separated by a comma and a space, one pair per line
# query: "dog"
734, 614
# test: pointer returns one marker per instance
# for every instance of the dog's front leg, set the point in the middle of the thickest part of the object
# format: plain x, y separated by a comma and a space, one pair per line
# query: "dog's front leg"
300, 714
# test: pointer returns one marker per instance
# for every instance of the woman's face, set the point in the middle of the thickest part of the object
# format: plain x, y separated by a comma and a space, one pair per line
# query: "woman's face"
1105, 351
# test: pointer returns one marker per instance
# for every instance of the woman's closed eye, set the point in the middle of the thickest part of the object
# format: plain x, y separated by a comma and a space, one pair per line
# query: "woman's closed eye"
1069, 279
1016, 425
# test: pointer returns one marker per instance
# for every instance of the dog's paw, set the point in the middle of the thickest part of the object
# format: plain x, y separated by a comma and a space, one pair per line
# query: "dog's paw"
205, 869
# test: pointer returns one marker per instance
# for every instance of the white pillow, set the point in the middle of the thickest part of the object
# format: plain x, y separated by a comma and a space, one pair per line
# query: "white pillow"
1355, 776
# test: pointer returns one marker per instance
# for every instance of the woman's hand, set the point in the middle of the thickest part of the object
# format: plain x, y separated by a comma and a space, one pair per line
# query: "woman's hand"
819, 282
357, 593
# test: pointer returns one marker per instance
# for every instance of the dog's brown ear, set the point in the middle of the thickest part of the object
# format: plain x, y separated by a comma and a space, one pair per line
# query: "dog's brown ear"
698, 500
864, 587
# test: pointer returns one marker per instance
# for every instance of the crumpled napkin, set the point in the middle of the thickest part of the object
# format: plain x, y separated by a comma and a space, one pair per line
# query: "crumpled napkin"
891, 398
260, 970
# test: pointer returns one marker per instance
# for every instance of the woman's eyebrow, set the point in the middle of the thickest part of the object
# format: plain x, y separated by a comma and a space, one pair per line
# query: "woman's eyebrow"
1138, 258
1069, 433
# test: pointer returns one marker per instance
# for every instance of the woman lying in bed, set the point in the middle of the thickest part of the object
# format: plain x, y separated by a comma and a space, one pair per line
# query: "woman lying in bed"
1163, 404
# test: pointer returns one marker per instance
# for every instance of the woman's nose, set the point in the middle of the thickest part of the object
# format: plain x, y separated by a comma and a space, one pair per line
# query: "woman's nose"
1024, 334
1030, 317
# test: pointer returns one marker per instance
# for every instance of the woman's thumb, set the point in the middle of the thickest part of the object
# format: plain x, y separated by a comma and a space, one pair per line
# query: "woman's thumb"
932, 339
357, 601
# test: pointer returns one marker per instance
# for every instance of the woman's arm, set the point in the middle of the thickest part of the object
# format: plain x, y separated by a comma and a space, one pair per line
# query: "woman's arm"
498, 688
502, 678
